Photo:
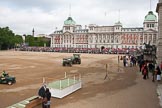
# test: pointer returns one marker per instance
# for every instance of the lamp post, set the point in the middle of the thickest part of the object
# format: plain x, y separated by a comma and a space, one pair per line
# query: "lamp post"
118, 61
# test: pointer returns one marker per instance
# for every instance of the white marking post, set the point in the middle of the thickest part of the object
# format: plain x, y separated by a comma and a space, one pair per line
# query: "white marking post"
68, 82
79, 77
65, 75
74, 79
60, 84
43, 80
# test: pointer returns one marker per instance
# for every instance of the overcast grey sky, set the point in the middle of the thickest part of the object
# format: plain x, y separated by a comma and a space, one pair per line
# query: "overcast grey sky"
45, 15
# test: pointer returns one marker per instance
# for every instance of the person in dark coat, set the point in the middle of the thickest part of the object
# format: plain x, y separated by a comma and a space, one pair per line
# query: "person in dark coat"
42, 94
47, 98
151, 68
124, 61
140, 63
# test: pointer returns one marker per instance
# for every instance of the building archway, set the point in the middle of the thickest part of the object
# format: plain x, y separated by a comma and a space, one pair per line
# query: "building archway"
102, 47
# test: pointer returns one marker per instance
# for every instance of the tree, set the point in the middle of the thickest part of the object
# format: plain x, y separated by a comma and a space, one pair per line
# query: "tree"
8, 39
37, 41
18, 40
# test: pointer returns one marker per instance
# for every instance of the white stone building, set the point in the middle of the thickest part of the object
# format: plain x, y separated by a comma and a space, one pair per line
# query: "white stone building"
43, 35
116, 36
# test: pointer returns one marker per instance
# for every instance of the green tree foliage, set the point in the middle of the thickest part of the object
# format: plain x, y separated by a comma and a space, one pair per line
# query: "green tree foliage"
37, 41
8, 39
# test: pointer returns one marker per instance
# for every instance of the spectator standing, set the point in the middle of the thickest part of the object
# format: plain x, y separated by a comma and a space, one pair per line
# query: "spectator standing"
158, 73
144, 71
140, 63
124, 61
151, 68
42, 94
47, 102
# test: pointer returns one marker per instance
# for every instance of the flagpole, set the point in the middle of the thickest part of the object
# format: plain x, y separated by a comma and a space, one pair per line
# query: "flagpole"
69, 10
150, 4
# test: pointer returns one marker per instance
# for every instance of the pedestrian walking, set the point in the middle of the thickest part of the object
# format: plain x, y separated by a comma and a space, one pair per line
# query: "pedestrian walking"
158, 73
151, 68
144, 71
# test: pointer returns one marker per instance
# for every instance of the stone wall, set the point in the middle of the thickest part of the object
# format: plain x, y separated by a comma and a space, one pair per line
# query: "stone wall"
159, 43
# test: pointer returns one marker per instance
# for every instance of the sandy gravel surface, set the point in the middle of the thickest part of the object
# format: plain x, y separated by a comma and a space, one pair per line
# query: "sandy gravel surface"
124, 87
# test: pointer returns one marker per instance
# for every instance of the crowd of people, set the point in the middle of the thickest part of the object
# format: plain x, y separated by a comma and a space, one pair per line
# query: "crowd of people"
145, 67
79, 50
129, 60
149, 67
